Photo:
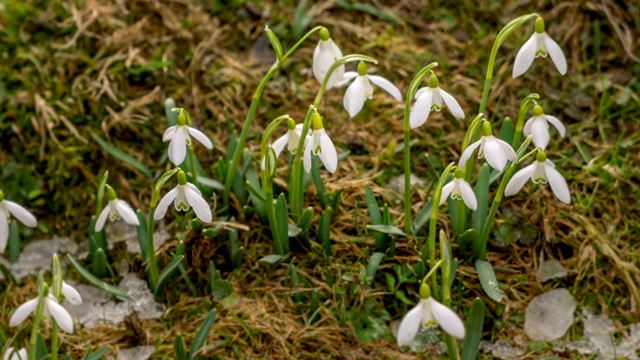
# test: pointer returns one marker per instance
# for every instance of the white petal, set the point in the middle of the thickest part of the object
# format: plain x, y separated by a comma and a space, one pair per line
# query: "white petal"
60, 314
420, 92
4, 231
199, 205
102, 219
354, 97
22, 312
558, 184
169, 133
178, 148
324, 56
12, 354
280, 143
328, 153
338, 73
127, 212
466, 154
527, 126
540, 131
387, 86
306, 156
410, 325
468, 196
71, 294
164, 203
181, 203
494, 154
508, 150
448, 320
421, 109
21, 213
525, 56
557, 56
519, 179
346, 78
446, 191
452, 104
201, 137
557, 124
194, 188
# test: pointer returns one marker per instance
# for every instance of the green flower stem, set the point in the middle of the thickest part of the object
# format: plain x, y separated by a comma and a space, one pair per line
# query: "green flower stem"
54, 340
413, 88
522, 112
480, 247
432, 271
37, 317
502, 35
192, 166
237, 153
434, 219
154, 274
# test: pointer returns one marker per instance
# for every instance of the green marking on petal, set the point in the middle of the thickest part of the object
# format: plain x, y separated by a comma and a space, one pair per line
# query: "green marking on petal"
183, 207
539, 181
541, 53
456, 196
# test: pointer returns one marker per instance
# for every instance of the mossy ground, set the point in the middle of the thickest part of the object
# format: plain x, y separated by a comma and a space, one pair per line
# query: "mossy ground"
72, 69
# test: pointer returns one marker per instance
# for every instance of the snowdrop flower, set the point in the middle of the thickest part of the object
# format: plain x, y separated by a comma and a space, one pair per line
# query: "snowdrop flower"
539, 44
321, 145
180, 137
12, 354
71, 294
290, 139
540, 172
429, 312
185, 196
116, 209
8, 208
430, 98
539, 127
361, 89
494, 150
51, 306
324, 56
459, 189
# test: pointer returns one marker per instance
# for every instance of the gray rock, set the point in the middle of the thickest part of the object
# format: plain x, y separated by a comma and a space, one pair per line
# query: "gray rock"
551, 269
37, 255
549, 316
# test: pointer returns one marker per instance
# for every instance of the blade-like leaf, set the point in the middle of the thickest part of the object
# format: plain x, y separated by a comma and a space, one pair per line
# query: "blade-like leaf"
172, 116
374, 262
202, 335
123, 156
474, 331
143, 235
488, 280
305, 219
178, 348
97, 282
324, 231
387, 229
166, 273
96, 355
482, 195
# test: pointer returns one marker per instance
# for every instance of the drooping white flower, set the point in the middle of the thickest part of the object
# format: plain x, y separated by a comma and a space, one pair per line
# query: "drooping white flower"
538, 125
8, 208
116, 209
459, 189
324, 56
430, 98
429, 312
180, 137
71, 294
185, 196
12, 354
361, 89
51, 306
494, 150
540, 172
539, 44
321, 145
290, 139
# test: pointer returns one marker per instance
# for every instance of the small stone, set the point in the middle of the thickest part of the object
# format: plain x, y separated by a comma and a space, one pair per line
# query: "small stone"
397, 183
136, 353
549, 316
551, 269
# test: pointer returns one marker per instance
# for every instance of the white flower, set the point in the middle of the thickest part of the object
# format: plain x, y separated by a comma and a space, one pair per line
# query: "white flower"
51, 306
539, 44
321, 145
430, 98
361, 89
71, 294
12, 354
459, 190
324, 56
494, 150
116, 209
429, 311
289, 139
185, 196
539, 127
8, 208
180, 137
540, 172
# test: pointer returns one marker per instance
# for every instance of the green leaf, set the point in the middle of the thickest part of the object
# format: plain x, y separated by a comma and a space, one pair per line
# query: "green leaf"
143, 235
97, 282
7, 273
488, 280
507, 130
423, 217
172, 117
387, 229
14, 242
275, 43
99, 264
41, 347
96, 355
210, 183
282, 219
293, 230
123, 156
102, 184
474, 331
335, 200
324, 231
202, 335
482, 195
372, 206
254, 192
178, 348
166, 273
272, 259
305, 219
374, 262
317, 181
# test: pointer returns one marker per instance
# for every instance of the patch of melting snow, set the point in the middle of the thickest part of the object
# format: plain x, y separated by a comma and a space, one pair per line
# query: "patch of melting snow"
397, 183
120, 231
502, 349
599, 330
37, 256
551, 269
136, 353
549, 316
427, 341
